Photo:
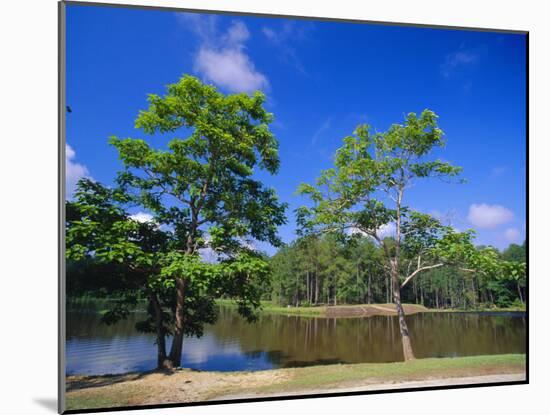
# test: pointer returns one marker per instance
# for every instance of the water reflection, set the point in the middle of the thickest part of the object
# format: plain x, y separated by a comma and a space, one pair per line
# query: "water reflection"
291, 341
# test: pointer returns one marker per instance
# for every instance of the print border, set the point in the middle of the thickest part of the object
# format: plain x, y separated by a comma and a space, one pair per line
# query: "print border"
61, 205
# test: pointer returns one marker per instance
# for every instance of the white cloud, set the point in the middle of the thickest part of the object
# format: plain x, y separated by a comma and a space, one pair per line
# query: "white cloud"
73, 171
204, 26
231, 69
456, 61
237, 34
270, 34
489, 216
512, 235
387, 230
384, 231
222, 58
324, 127
142, 217
209, 255
283, 38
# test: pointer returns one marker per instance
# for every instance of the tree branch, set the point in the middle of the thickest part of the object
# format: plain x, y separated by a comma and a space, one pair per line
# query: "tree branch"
410, 277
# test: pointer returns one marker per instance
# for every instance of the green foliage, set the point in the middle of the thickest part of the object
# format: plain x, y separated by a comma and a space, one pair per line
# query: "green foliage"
202, 192
354, 271
98, 226
327, 270
204, 183
372, 164
109, 253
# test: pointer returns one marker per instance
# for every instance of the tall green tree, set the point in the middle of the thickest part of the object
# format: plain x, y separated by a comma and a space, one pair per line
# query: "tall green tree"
365, 192
202, 187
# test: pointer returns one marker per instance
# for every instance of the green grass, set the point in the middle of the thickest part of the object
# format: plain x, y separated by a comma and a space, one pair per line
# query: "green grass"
316, 377
484, 309
313, 311
97, 400
270, 307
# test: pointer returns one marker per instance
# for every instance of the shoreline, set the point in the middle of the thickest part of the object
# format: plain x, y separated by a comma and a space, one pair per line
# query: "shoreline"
361, 310
338, 311
185, 385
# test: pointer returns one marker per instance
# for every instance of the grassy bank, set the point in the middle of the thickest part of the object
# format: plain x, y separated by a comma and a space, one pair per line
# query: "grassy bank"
270, 307
361, 310
191, 386
520, 309
345, 310
101, 305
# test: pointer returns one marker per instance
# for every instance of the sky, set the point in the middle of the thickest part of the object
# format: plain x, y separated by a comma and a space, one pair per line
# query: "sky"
321, 80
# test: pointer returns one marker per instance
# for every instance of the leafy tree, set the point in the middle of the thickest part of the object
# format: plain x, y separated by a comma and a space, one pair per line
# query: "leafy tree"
202, 188
365, 192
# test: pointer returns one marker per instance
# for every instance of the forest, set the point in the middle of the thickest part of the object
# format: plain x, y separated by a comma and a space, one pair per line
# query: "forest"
331, 271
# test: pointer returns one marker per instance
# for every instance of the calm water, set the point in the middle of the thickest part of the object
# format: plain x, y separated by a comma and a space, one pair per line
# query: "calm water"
289, 341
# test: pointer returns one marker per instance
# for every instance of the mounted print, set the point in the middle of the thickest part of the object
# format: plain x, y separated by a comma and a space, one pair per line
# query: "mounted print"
257, 207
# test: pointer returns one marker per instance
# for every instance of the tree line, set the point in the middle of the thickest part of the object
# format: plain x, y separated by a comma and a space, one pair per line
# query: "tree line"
329, 271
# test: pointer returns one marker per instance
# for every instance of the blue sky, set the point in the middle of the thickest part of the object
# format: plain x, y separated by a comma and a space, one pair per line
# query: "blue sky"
321, 80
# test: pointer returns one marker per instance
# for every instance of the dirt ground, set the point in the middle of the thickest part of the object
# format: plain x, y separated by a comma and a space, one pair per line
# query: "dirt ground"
186, 385
157, 387
367, 310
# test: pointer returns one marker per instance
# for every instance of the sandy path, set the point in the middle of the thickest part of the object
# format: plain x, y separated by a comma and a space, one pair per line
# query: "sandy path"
389, 385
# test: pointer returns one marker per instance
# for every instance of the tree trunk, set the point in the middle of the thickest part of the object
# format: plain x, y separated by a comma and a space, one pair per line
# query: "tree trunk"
357, 286
405, 338
297, 291
370, 289
307, 286
316, 287
388, 300
474, 293
162, 361
177, 343
520, 294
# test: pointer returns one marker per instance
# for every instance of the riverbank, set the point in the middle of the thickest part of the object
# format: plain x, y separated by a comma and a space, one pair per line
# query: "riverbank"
87, 392
346, 310
359, 310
